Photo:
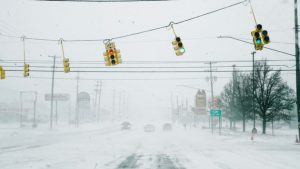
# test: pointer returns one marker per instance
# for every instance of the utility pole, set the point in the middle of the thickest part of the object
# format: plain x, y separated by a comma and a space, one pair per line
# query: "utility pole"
254, 130
120, 99
56, 115
52, 91
297, 63
124, 104
233, 90
177, 108
212, 95
113, 111
77, 106
171, 101
95, 102
21, 108
99, 101
34, 114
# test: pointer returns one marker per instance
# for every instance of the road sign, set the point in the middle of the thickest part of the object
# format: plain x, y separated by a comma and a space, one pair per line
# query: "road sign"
215, 112
57, 97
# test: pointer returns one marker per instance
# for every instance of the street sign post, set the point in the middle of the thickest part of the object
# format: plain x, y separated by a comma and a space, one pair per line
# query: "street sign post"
216, 113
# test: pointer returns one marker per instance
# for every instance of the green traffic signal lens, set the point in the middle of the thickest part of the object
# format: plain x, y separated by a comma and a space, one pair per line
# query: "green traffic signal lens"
181, 50
258, 41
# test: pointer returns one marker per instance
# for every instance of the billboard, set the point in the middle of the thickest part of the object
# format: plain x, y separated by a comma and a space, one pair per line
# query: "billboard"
200, 103
57, 97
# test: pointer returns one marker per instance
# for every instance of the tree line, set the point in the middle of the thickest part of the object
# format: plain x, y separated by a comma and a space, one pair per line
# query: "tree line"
262, 95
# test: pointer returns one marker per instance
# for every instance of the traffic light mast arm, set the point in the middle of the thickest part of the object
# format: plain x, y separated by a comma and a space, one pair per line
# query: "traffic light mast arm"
275, 50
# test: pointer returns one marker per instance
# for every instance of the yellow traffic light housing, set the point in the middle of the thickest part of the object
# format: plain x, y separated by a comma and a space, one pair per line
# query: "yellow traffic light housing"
66, 65
112, 55
26, 70
2, 73
118, 56
260, 37
178, 46
257, 40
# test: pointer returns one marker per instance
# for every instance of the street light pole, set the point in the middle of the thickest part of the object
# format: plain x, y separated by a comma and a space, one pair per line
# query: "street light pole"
253, 92
52, 90
297, 63
77, 102
21, 108
34, 114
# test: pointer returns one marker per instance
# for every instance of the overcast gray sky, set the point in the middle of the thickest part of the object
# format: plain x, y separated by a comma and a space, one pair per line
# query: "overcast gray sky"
69, 20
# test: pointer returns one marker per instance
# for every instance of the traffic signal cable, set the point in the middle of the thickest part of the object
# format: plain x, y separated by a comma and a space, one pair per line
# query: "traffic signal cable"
131, 34
252, 11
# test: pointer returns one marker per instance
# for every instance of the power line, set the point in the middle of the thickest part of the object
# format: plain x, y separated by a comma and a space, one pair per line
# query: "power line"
252, 44
145, 67
151, 71
131, 34
129, 79
149, 61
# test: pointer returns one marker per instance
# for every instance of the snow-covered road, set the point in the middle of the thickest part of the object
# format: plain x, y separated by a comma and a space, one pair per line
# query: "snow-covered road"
111, 148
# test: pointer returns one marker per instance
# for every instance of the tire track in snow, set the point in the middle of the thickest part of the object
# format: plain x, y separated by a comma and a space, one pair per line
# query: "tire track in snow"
165, 162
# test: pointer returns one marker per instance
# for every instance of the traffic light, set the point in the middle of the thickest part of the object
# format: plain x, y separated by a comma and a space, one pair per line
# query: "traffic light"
66, 65
112, 55
118, 56
178, 46
2, 73
26, 70
265, 37
257, 40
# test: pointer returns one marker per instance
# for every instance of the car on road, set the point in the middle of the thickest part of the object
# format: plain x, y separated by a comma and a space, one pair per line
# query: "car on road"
149, 128
167, 127
125, 125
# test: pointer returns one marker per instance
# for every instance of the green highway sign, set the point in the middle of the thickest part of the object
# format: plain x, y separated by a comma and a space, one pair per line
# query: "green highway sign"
215, 112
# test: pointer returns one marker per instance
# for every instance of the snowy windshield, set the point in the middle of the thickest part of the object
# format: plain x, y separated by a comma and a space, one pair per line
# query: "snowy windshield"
149, 84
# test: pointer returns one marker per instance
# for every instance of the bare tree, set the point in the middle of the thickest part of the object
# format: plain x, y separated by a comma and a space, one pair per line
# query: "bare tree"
236, 98
244, 97
228, 104
273, 97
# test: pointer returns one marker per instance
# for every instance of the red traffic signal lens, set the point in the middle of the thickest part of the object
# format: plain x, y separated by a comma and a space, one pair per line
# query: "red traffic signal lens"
178, 39
111, 51
258, 26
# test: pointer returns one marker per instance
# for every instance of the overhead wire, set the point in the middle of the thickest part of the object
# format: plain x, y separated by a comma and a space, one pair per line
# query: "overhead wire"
148, 67
152, 61
136, 33
252, 44
151, 71
110, 79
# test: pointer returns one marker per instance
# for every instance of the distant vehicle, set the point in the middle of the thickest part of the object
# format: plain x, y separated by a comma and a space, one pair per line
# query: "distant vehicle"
167, 127
125, 125
149, 128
